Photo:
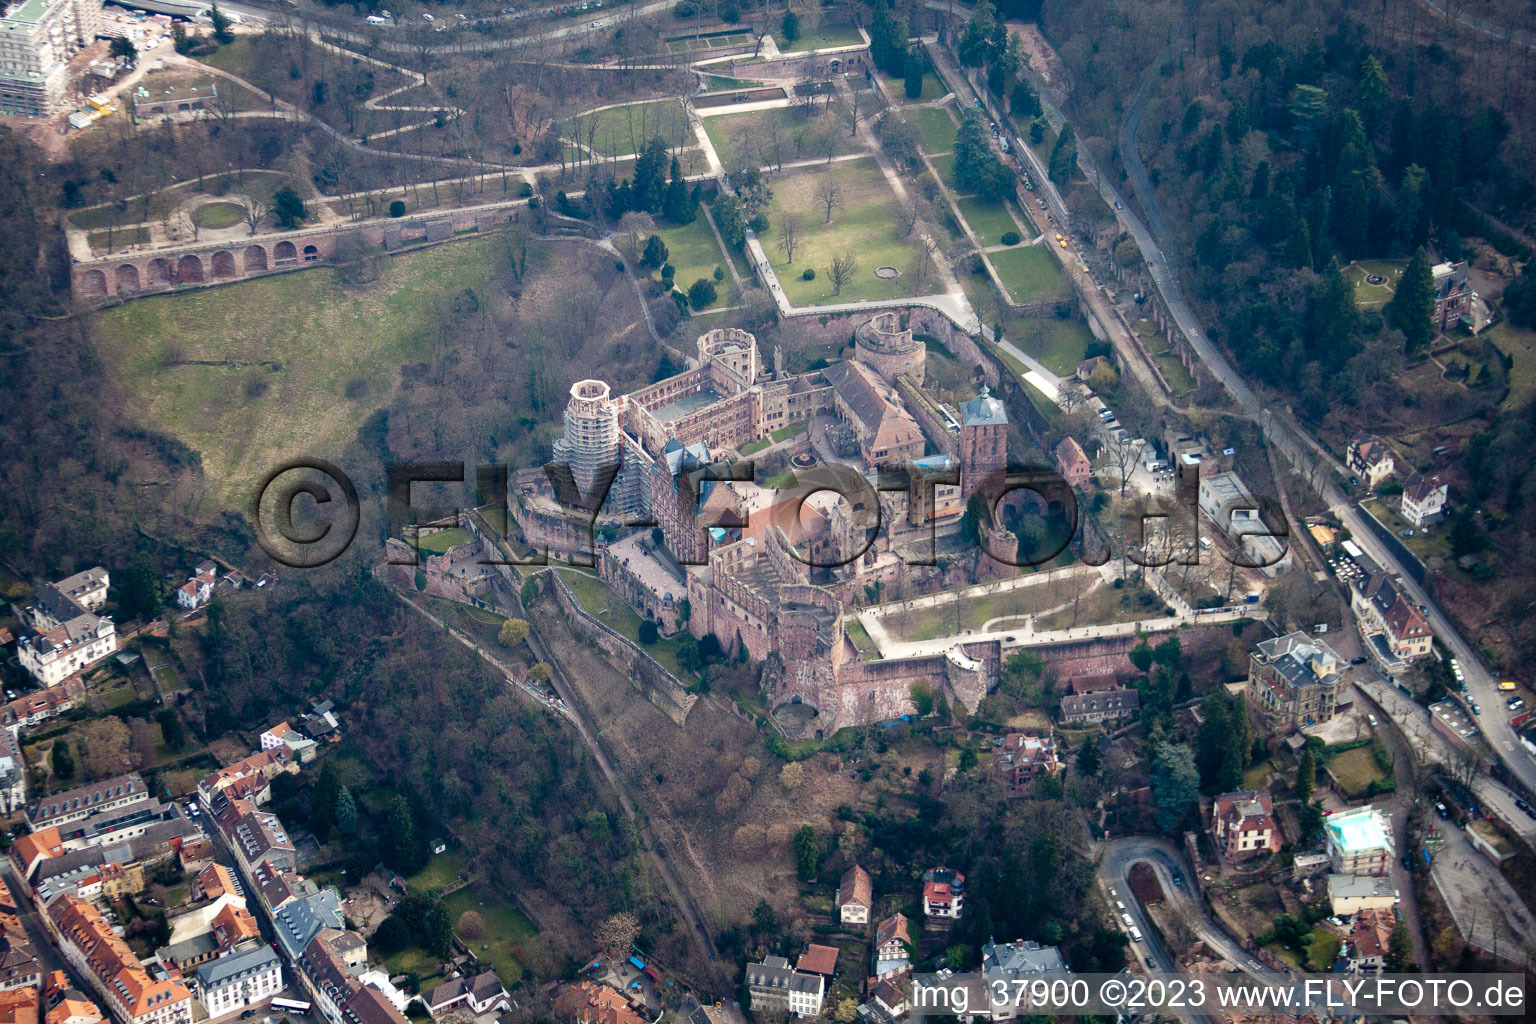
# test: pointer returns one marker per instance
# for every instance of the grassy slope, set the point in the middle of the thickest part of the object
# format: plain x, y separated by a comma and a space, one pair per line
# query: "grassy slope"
990, 221
322, 335
724, 129
1030, 273
694, 253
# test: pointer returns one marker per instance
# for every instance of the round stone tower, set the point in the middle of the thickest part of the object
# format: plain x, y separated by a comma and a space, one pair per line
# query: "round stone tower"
885, 344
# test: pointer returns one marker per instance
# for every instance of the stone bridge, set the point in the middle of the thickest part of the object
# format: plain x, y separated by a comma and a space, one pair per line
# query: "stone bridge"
127, 275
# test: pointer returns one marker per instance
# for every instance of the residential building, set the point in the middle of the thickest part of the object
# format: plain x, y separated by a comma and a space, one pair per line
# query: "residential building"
983, 441
944, 891
1072, 463
370, 1006
1293, 680
1092, 683
1359, 841
13, 774
891, 998
19, 1006
32, 849
1244, 825
33, 708
255, 837
243, 978
1226, 501
208, 932
1453, 295
1019, 757
198, 590
893, 946
1370, 459
484, 993
817, 959
37, 39
1365, 947
327, 973
587, 1002
66, 1005
1394, 629
1423, 499
19, 966
299, 921
61, 809
64, 633
125, 987
1004, 965
283, 736
1099, 706
855, 896
775, 987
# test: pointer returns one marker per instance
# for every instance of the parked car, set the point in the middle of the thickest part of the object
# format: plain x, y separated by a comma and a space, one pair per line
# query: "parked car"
426, 16
462, 16
1357, 661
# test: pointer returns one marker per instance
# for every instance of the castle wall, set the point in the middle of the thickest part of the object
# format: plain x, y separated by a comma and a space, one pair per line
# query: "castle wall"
645, 673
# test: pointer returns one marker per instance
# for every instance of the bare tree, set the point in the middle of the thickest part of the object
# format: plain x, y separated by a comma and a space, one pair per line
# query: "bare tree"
910, 214
1069, 395
1122, 450
634, 228
852, 112
789, 236
255, 209
842, 271
829, 194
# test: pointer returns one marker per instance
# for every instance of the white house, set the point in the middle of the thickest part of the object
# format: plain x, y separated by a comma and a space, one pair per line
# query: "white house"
855, 896
1424, 499
65, 634
231, 983
198, 590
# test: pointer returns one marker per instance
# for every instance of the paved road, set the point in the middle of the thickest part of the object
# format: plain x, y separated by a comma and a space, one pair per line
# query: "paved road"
1169, 863
1302, 450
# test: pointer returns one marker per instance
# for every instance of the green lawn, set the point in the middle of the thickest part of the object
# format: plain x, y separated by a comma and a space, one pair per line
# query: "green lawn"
822, 37
1030, 273
1355, 770
607, 607
787, 432
694, 253
860, 637
974, 612
800, 138
933, 88
618, 131
1057, 343
944, 167
725, 83
1370, 296
185, 363
414, 960
505, 929
118, 238
990, 221
218, 215
441, 870
1324, 949
867, 226
442, 540
935, 128
1175, 373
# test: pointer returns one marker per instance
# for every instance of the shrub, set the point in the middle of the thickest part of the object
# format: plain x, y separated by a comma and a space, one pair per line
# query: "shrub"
1010, 238
809, 274
702, 293
397, 208
648, 632
525, 190
719, 273
668, 272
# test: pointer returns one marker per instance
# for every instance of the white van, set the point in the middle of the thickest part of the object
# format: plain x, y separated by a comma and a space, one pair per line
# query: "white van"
1120, 904
1205, 543
1135, 934
374, 19
1126, 918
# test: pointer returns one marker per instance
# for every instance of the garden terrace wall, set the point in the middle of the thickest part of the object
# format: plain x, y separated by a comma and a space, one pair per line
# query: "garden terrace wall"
648, 675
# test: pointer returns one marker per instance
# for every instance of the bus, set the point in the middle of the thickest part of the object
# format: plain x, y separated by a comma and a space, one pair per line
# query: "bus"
291, 1005
1506, 686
